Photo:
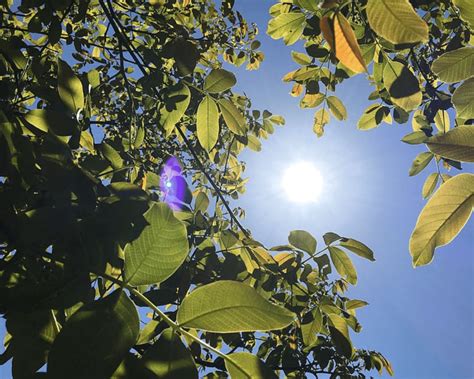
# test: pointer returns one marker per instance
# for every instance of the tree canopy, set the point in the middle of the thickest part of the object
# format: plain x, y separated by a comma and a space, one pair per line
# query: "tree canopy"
121, 253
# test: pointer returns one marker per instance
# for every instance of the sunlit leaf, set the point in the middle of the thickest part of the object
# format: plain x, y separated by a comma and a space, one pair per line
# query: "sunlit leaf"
70, 87
46, 120
253, 367
337, 107
287, 24
402, 85
233, 118
310, 330
457, 144
421, 161
396, 21
466, 10
442, 121
442, 218
159, 250
429, 185
358, 248
345, 46
303, 240
176, 101
463, 99
455, 65
207, 123
228, 307
343, 264
219, 80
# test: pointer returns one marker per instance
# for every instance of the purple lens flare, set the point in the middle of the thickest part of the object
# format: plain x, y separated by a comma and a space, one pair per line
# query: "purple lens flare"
172, 184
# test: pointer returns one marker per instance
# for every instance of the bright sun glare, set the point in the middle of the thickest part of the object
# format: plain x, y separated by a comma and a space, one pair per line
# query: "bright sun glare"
302, 182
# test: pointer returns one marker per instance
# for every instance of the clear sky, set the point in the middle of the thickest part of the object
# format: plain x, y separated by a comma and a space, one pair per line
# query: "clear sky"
423, 318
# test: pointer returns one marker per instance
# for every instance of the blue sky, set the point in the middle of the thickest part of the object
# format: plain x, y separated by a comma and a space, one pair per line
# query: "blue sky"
422, 319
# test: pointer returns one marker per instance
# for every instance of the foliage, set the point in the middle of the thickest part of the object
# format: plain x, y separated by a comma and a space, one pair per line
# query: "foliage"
120, 137
418, 56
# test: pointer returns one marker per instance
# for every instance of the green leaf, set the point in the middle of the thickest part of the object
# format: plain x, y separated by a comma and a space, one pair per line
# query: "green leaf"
442, 218
321, 118
70, 87
402, 85
46, 120
111, 155
207, 123
455, 65
463, 99
301, 58
330, 237
202, 202
310, 331
369, 119
168, 358
429, 185
420, 162
253, 367
219, 80
287, 24
358, 248
159, 250
303, 241
95, 339
176, 101
254, 143
442, 121
396, 21
337, 107
415, 138
457, 144
340, 335
466, 10
354, 304
230, 307
343, 264
233, 118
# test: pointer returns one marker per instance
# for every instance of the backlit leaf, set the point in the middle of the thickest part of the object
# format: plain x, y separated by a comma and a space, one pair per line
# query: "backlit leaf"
345, 46
303, 240
343, 264
228, 307
455, 65
337, 107
233, 118
219, 80
159, 250
70, 87
463, 99
176, 101
466, 10
396, 21
442, 218
207, 123
46, 120
358, 248
442, 121
421, 161
321, 118
168, 358
310, 331
402, 85
429, 185
340, 335
251, 364
286, 24
457, 144
95, 339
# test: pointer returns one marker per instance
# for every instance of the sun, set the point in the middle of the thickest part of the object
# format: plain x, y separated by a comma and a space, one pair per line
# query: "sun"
302, 182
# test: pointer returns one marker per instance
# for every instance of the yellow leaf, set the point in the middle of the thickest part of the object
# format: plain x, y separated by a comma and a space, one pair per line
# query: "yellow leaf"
346, 48
442, 218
